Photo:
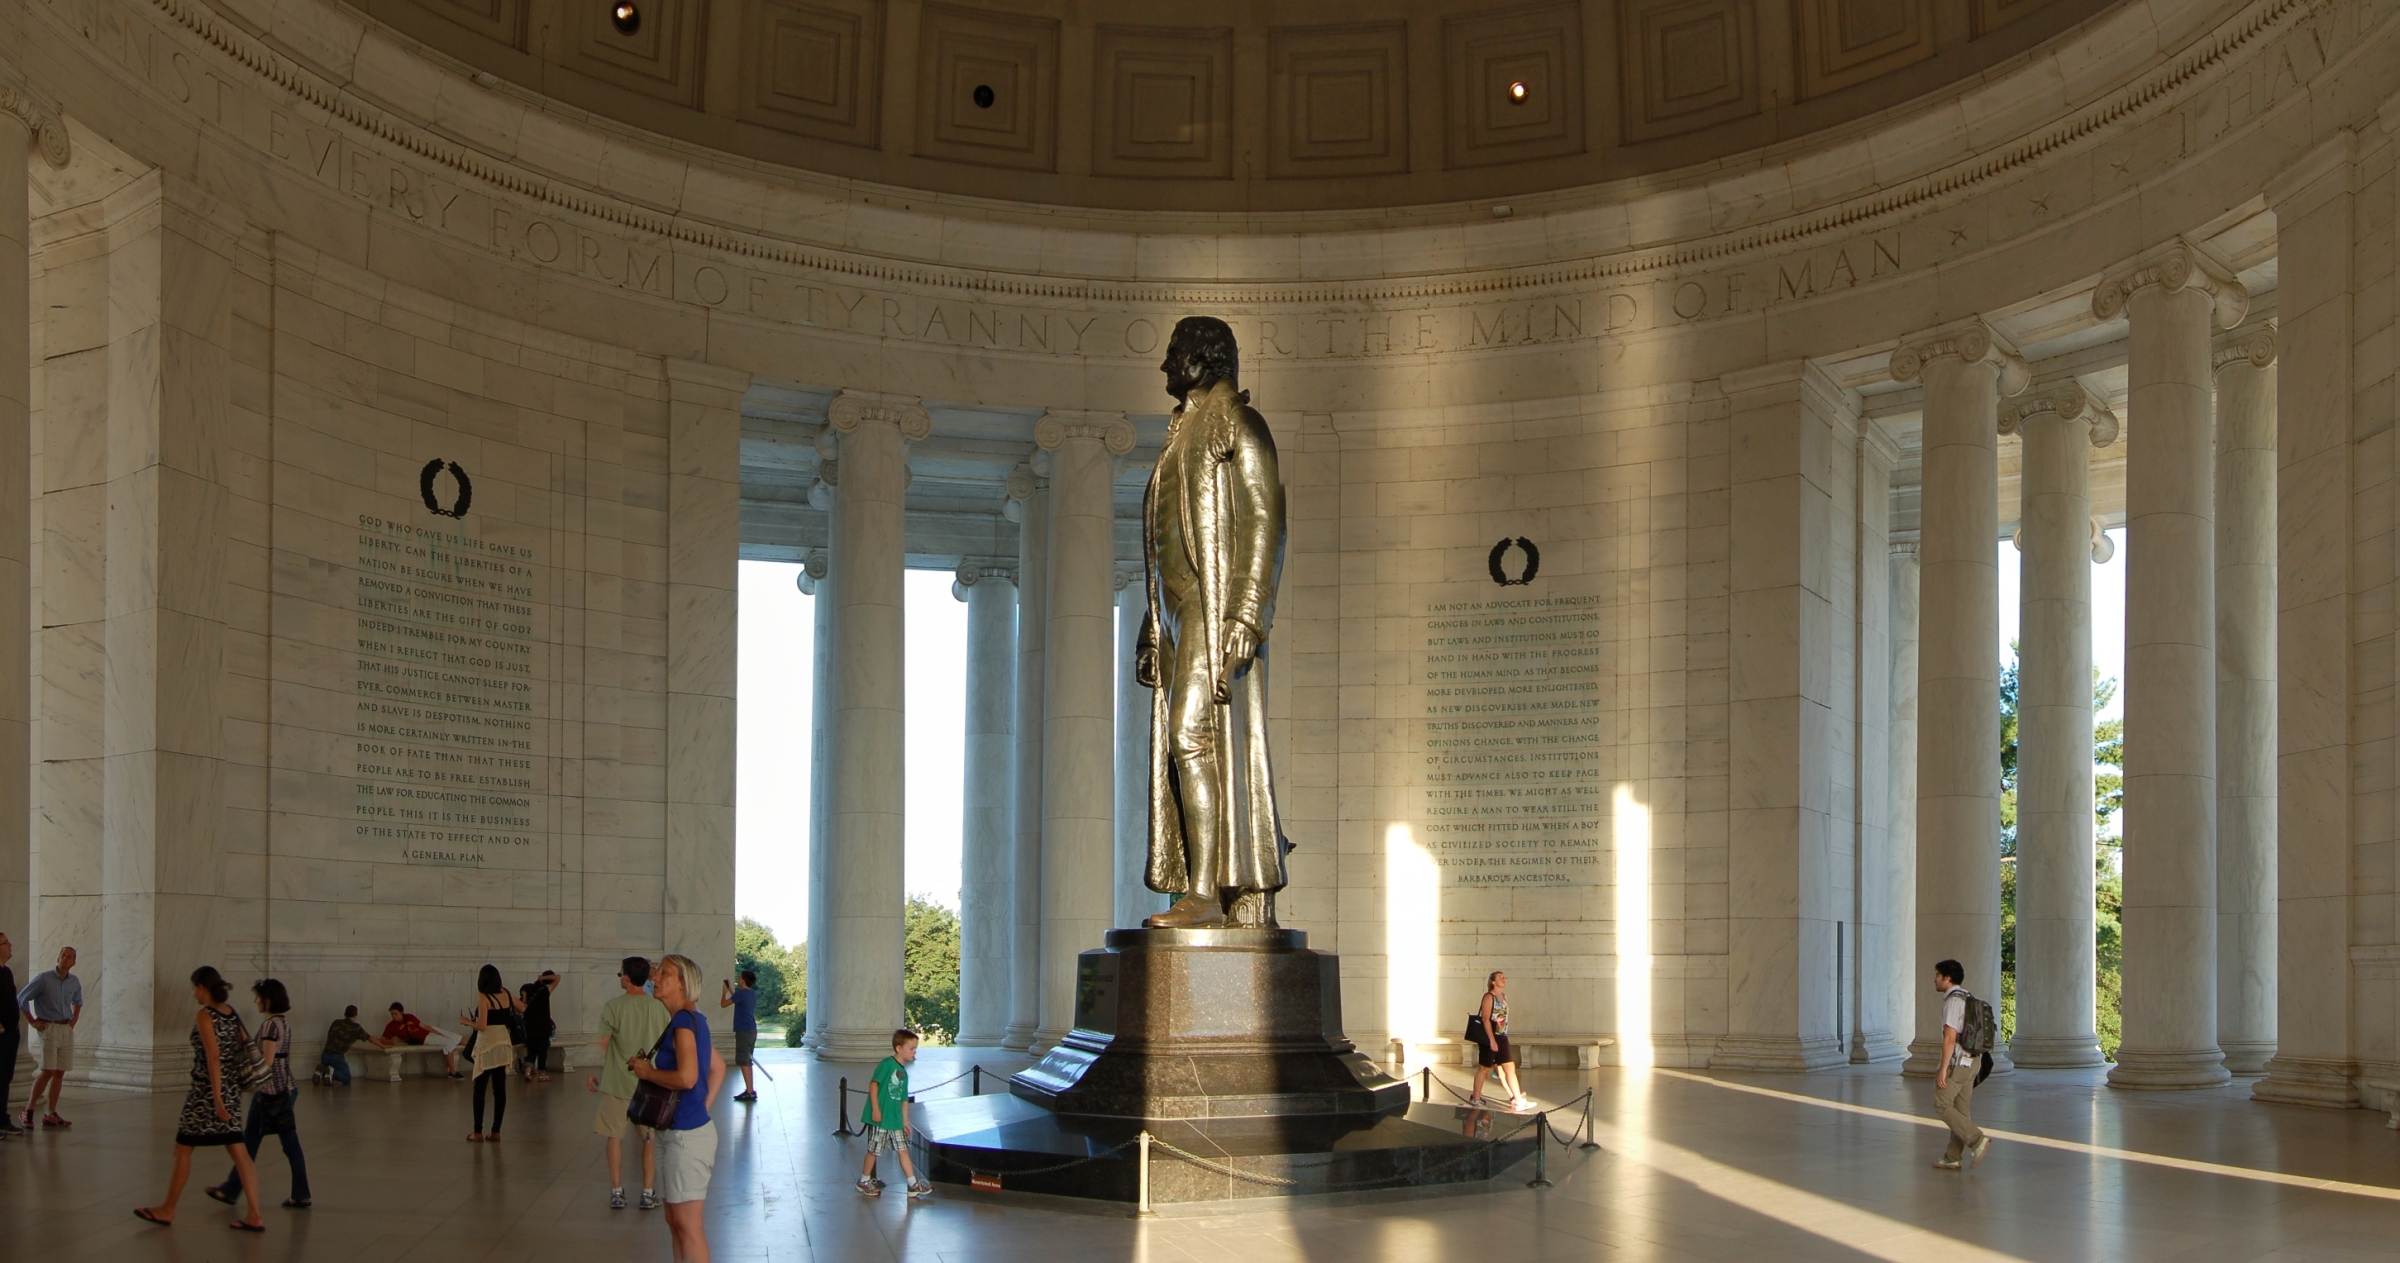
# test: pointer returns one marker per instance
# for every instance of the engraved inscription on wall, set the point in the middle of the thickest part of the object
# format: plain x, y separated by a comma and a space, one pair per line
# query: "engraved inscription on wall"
450, 759
1511, 743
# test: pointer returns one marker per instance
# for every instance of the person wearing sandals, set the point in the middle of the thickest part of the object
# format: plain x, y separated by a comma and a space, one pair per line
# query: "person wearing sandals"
220, 1051
1493, 1053
271, 1106
495, 1052
687, 1149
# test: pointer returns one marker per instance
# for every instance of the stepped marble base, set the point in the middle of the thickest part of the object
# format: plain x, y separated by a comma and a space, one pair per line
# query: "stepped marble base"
1019, 1144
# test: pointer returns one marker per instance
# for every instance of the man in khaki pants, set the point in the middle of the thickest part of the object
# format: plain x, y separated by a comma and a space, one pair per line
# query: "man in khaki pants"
1954, 1081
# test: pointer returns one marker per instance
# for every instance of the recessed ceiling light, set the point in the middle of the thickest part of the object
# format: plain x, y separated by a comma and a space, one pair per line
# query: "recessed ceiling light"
984, 96
1517, 91
625, 17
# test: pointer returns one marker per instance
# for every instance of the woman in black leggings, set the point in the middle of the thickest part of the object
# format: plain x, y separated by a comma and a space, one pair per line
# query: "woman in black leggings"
495, 1051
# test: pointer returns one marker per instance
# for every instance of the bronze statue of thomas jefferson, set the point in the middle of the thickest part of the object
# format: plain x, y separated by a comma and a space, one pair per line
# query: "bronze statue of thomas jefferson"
1212, 544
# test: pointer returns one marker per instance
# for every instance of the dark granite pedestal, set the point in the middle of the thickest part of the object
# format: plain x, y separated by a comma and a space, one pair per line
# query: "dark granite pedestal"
1177, 1024
1226, 1044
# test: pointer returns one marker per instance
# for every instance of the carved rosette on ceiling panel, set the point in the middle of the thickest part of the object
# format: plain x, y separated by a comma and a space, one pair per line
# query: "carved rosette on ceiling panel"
1844, 42
1162, 102
987, 88
1686, 64
660, 57
1487, 56
1337, 100
814, 68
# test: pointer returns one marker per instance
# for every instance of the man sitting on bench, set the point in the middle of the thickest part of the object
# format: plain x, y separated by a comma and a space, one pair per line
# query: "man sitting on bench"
405, 1028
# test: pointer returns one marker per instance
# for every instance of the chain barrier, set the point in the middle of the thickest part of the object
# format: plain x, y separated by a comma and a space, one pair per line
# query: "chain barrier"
1277, 1181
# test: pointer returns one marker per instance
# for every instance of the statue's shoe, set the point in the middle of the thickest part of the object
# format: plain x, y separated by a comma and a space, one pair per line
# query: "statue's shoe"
1192, 912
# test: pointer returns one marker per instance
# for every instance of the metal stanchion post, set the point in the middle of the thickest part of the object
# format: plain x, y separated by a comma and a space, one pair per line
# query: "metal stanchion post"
1541, 1152
978, 1080
1142, 1204
1426, 1076
841, 1109
1590, 1132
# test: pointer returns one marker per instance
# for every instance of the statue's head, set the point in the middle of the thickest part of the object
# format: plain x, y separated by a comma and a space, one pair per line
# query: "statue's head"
1200, 353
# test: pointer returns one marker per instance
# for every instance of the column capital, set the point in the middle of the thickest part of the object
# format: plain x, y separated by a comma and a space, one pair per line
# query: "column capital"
2071, 401
813, 570
1970, 340
1903, 548
853, 408
1110, 429
2177, 265
2103, 547
2255, 347
1127, 576
974, 570
42, 123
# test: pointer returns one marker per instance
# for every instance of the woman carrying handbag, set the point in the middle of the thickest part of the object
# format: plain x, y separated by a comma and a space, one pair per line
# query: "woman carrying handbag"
679, 1080
223, 1066
1487, 1029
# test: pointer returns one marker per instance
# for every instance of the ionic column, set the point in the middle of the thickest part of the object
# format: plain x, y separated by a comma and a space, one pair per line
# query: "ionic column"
1966, 368
1898, 971
1029, 504
2169, 297
1135, 899
2060, 425
987, 834
2246, 921
1079, 710
865, 882
45, 133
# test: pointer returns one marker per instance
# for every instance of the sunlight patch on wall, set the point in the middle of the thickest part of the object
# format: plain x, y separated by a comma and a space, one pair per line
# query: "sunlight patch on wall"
1631, 831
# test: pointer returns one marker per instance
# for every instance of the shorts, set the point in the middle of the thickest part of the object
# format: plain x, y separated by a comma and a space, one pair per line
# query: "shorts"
685, 1161
58, 1048
743, 1043
610, 1121
1494, 1051
883, 1140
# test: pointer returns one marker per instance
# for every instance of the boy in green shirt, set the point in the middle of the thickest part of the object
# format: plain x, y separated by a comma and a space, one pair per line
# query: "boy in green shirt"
886, 1117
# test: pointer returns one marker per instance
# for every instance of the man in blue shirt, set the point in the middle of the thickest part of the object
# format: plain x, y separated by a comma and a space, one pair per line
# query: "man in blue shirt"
54, 1003
743, 1000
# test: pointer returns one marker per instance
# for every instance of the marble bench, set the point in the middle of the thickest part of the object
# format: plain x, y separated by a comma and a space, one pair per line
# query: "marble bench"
396, 1057
1534, 1052
2391, 1090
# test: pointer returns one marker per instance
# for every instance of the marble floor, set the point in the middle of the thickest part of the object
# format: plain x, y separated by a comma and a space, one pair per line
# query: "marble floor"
1691, 1167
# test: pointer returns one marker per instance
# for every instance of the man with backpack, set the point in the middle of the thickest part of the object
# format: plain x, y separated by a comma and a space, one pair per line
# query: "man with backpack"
1968, 1031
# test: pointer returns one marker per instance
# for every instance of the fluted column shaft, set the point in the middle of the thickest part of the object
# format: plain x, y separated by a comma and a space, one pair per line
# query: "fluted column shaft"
2170, 913
1079, 710
1900, 973
987, 833
1025, 844
1958, 693
1135, 899
16, 472
2246, 853
816, 579
2055, 876
864, 869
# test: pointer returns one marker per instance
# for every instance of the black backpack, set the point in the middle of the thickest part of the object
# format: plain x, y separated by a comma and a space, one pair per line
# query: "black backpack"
1978, 1031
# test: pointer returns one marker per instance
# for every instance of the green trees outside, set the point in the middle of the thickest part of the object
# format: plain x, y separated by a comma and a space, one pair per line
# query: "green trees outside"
2108, 754
930, 964
782, 974
931, 970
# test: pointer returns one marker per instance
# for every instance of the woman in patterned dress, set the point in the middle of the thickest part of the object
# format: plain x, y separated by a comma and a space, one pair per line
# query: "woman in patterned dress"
220, 1048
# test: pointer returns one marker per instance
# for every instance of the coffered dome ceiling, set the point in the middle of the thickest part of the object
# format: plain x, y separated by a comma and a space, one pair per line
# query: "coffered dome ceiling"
1219, 106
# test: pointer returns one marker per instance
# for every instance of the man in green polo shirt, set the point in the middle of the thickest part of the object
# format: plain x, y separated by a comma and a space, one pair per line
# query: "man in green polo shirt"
630, 1026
